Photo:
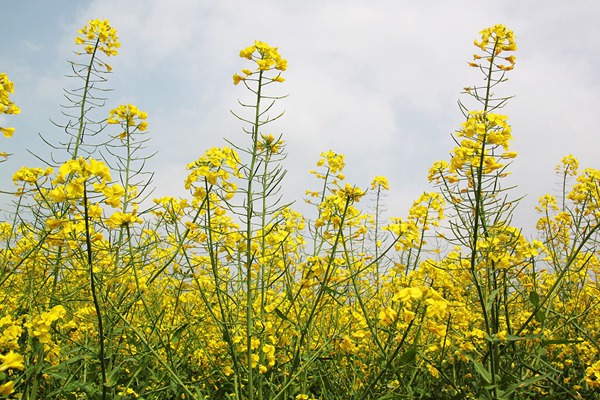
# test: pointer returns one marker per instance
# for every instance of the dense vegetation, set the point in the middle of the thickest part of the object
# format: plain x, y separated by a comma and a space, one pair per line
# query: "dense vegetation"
231, 294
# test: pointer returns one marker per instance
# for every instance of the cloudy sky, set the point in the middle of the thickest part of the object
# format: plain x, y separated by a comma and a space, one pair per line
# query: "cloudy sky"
376, 80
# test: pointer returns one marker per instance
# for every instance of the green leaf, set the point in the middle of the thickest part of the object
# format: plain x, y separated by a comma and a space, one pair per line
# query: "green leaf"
491, 298
540, 316
113, 377
408, 357
55, 375
560, 341
177, 334
481, 370
534, 299
332, 292
491, 339
523, 384
512, 338
281, 315
73, 360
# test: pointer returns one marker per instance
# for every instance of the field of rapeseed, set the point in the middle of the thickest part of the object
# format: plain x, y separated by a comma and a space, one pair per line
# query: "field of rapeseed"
232, 294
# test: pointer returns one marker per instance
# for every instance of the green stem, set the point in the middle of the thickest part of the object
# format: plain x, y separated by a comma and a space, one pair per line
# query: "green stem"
94, 293
479, 212
249, 233
86, 88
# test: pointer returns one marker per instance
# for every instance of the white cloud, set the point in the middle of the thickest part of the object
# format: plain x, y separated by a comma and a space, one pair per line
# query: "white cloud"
377, 80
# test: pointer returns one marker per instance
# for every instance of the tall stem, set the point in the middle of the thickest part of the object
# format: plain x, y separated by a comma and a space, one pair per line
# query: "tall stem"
86, 88
94, 292
479, 216
249, 233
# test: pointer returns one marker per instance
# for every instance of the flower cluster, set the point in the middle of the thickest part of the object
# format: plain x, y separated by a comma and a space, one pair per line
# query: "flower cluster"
9, 362
426, 211
494, 41
585, 192
270, 145
6, 105
499, 37
482, 133
215, 167
41, 324
568, 166
30, 175
266, 57
380, 182
482, 129
130, 118
99, 34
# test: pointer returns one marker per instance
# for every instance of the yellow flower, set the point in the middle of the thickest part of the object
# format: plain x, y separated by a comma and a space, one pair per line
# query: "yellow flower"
433, 371
380, 182
54, 223
509, 154
408, 315
216, 164
350, 193
127, 392
568, 166
7, 106
265, 64
388, 316
406, 294
82, 169
6, 88
281, 64
7, 132
247, 52
237, 79
436, 329
98, 34
129, 117
499, 37
495, 40
30, 175
270, 144
335, 162
40, 326
7, 388
266, 58
11, 360
120, 219
113, 194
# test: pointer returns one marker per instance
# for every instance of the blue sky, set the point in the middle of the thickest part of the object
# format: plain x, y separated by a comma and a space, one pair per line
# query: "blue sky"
375, 80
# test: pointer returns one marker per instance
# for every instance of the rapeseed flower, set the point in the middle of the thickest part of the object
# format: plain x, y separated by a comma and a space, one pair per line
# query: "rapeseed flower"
267, 58
380, 182
99, 34
6, 105
119, 219
7, 388
495, 40
592, 375
11, 360
130, 118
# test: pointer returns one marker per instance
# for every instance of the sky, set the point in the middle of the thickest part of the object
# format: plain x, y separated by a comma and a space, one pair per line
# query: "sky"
375, 80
